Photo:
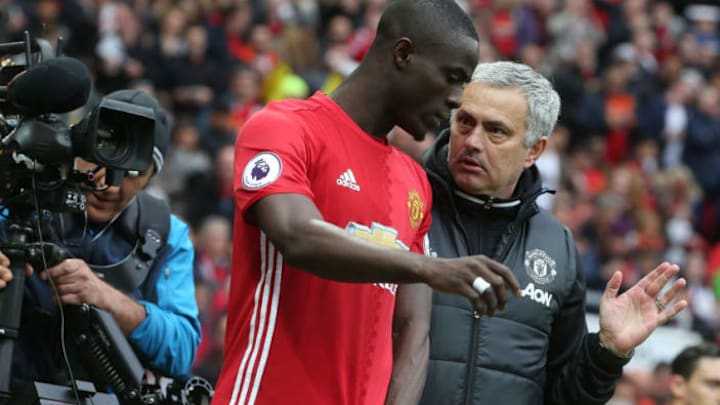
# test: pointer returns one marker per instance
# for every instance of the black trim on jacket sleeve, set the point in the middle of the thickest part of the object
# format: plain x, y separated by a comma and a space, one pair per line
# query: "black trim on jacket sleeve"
578, 372
604, 358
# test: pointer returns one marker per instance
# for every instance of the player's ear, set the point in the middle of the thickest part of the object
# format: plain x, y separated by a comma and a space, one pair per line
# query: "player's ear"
403, 52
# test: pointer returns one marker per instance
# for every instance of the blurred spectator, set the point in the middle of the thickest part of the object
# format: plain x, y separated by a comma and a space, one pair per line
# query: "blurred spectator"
696, 376
122, 55
700, 297
625, 393
238, 21
211, 193
46, 22
573, 79
702, 154
171, 41
502, 28
659, 390
704, 28
571, 26
244, 97
667, 28
211, 363
194, 78
221, 128
550, 164
611, 111
184, 160
213, 248
665, 116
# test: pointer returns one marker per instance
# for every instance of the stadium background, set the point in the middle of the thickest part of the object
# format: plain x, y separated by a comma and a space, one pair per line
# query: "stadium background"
635, 159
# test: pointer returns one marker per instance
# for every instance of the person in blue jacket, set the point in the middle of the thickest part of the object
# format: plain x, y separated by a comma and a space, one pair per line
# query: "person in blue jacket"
129, 257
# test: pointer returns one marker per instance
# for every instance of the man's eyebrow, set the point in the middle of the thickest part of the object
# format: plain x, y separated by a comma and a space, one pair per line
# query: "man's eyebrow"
497, 123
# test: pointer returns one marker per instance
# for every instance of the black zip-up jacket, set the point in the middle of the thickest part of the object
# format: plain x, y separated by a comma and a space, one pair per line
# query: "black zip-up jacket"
537, 350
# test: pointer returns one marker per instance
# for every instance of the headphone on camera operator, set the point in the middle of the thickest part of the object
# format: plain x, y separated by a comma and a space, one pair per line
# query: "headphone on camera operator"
117, 250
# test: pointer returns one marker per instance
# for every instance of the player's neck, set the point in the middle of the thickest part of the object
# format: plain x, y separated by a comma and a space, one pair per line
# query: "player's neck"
364, 101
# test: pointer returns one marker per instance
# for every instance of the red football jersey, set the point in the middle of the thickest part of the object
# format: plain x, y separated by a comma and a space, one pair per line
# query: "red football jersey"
293, 337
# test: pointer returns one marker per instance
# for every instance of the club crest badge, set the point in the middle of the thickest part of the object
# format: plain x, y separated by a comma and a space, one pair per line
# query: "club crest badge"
261, 170
415, 208
540, 266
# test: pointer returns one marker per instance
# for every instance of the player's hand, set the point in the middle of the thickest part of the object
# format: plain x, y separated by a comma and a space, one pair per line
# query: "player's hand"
6, 274
77, 284
458, 276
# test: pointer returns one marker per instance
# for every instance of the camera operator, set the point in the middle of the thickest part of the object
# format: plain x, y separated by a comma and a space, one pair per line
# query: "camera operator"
159, 317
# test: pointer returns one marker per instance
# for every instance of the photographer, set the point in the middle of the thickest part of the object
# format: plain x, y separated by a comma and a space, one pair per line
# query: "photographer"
159, 316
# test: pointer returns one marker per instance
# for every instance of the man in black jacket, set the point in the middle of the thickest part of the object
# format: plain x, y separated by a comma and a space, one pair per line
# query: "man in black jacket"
537, 350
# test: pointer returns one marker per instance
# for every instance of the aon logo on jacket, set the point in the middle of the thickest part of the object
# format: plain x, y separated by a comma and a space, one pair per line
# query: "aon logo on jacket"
537, 294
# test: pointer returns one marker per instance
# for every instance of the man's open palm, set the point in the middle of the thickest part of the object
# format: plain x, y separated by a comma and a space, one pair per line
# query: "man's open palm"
627, 320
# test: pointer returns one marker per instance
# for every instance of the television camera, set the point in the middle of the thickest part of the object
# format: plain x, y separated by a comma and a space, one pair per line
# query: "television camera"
38, 177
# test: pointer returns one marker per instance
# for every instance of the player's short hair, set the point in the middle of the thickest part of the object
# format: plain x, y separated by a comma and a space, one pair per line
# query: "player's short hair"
425, 21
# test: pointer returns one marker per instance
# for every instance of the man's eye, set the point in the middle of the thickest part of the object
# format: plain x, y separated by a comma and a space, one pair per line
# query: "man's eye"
496, 130
455, 78
496, 133
465, 123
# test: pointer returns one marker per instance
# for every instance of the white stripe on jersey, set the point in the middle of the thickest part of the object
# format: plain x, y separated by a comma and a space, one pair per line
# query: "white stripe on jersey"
269, 269
271, 328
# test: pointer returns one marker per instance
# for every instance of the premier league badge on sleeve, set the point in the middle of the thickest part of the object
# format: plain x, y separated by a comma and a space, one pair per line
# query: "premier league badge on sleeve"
261, 171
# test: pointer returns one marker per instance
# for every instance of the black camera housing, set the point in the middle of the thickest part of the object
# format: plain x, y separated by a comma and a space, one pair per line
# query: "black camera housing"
116, 135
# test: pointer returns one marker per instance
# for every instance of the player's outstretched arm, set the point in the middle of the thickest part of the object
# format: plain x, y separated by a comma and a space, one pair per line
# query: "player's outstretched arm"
297, 229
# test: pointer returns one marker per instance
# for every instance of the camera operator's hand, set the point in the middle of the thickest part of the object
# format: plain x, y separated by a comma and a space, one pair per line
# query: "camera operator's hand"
6, 274
460, 276
77, 284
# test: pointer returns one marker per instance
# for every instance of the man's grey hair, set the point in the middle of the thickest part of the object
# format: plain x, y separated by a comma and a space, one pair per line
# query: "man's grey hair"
542, 100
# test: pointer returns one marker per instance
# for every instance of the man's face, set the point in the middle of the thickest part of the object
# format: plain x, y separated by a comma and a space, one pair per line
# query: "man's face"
104, 205
432, 85
487, 153
703, 387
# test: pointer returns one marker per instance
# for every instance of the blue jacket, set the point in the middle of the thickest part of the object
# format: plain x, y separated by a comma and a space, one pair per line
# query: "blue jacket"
166, 341
170, 334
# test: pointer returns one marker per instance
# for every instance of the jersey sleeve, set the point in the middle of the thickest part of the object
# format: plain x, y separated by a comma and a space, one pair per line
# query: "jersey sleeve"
272, 155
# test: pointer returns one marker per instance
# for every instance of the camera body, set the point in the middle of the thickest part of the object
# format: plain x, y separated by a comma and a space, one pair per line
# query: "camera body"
38, 148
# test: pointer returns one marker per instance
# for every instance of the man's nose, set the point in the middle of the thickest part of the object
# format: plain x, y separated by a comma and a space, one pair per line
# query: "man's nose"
473, 141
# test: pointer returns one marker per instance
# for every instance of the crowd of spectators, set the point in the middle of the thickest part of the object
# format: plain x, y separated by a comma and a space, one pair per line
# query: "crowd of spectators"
635, 160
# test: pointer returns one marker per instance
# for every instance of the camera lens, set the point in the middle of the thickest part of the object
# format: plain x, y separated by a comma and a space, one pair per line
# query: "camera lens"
110, 144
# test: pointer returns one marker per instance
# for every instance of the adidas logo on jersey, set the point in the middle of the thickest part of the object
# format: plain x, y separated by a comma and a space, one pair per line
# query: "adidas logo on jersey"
347, 179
